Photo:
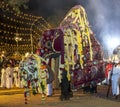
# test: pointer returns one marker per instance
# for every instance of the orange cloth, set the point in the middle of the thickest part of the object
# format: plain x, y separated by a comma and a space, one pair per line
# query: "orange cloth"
43, 67
107, 69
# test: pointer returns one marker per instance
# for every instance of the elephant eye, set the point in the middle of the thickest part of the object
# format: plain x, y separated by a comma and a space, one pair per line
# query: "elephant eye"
48, 44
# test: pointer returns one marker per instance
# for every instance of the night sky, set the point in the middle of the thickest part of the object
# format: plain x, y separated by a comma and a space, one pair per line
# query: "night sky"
103, 16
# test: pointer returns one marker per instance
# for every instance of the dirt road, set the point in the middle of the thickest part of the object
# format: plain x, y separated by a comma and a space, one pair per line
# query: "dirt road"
79, 100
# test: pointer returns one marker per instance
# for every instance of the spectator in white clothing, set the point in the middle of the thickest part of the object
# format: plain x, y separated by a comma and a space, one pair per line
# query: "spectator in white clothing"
9, 76
115, 76
3, 77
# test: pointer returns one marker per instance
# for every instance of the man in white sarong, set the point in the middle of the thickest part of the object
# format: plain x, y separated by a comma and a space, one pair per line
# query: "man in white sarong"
9, 76
3, 77
18, 78
15, 75
115, 80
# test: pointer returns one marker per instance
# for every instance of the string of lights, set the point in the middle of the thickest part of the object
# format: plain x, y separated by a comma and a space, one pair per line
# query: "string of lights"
14, 24
21, 15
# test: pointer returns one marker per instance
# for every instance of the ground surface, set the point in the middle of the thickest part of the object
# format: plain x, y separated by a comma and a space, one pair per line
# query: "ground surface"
15, 98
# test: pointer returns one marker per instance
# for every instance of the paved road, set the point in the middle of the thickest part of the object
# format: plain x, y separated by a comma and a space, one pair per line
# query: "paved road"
15, 98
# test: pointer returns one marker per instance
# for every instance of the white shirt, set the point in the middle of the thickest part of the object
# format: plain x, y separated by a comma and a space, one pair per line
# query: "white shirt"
116, 70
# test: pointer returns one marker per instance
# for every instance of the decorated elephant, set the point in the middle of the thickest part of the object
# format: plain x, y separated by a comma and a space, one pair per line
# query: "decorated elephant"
73, 42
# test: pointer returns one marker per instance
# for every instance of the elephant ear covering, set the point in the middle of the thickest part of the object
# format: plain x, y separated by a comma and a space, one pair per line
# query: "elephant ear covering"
81, 48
